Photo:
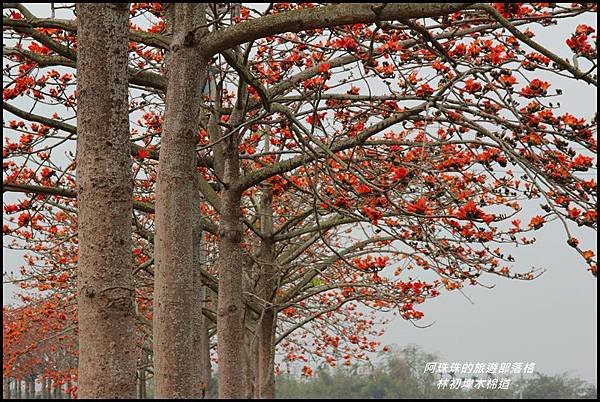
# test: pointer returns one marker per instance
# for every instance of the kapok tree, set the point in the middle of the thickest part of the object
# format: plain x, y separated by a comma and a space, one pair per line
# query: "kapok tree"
427, 124
39, 345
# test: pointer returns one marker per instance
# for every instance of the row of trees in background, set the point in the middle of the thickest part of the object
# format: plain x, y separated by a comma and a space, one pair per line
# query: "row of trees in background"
252, 182
401, 375
38, 348
398, 374
29, 389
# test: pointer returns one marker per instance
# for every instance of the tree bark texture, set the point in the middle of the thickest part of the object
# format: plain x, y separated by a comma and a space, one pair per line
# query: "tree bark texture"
176, 209
104, 197
266, 291
230, 337
250, 345
230, 264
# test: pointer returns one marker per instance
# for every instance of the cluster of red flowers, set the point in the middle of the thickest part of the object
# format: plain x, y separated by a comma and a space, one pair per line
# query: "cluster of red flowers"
578, 42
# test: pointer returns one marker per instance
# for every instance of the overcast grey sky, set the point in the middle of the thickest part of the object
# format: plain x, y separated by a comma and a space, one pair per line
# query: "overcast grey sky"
551, 321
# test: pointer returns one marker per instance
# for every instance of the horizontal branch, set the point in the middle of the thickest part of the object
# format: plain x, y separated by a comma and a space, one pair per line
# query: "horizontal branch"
321, 17
62, 192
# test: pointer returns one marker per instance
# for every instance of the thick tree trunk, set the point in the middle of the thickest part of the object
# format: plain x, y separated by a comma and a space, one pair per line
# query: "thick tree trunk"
104, 198
266, 355
176, 208
251, 318
18, 389
266, 291
230, 335
230, 317
197, 317
250, 347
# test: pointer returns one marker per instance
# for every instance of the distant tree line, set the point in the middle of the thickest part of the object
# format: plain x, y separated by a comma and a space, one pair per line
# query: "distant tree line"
401, 375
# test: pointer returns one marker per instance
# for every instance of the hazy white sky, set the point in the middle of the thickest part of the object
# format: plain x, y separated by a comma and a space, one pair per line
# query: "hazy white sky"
551, 321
